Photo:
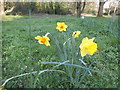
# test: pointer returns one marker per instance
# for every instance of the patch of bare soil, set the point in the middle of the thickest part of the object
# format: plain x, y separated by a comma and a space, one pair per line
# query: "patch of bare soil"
40, 15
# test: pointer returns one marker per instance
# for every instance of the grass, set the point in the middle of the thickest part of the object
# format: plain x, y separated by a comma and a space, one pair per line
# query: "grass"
16, 59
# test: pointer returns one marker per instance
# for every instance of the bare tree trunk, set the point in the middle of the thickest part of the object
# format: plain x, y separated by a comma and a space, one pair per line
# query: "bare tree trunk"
73, 7
115, 9
2, 12
84, 3
109, 12
100, 10
57, 8
51, 10
78, 9
2, 9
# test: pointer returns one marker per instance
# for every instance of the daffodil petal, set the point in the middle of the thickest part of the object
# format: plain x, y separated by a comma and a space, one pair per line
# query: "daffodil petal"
46, 38
83, 53
38, 37
47, 44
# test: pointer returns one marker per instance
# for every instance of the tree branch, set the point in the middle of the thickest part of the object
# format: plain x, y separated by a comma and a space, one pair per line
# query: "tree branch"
84, 3
105, 1
10, 10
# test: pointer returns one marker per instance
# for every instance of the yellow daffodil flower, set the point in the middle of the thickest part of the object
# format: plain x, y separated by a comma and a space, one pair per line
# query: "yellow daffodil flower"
61, 26
88, 47
76, 34
43, 40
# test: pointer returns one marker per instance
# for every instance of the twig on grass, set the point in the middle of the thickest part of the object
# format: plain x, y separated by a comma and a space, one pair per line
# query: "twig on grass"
72, 65
39, 72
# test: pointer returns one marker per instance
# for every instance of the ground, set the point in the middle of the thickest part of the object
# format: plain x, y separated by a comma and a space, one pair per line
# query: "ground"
21, 53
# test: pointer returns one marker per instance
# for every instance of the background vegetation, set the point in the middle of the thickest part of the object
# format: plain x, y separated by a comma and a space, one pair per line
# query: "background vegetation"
62, 8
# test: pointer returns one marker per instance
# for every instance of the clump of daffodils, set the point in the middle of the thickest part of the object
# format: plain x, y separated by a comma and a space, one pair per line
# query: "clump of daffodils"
86, 47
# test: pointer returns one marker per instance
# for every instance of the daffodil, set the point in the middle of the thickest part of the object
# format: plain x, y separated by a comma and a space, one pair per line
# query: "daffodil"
88, 47
61, 26
43, 40
76, 34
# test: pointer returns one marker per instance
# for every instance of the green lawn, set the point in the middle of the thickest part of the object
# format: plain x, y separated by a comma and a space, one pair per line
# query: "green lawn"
21, 53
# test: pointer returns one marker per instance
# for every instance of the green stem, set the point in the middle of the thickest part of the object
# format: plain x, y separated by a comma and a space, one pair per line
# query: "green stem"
30, 35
